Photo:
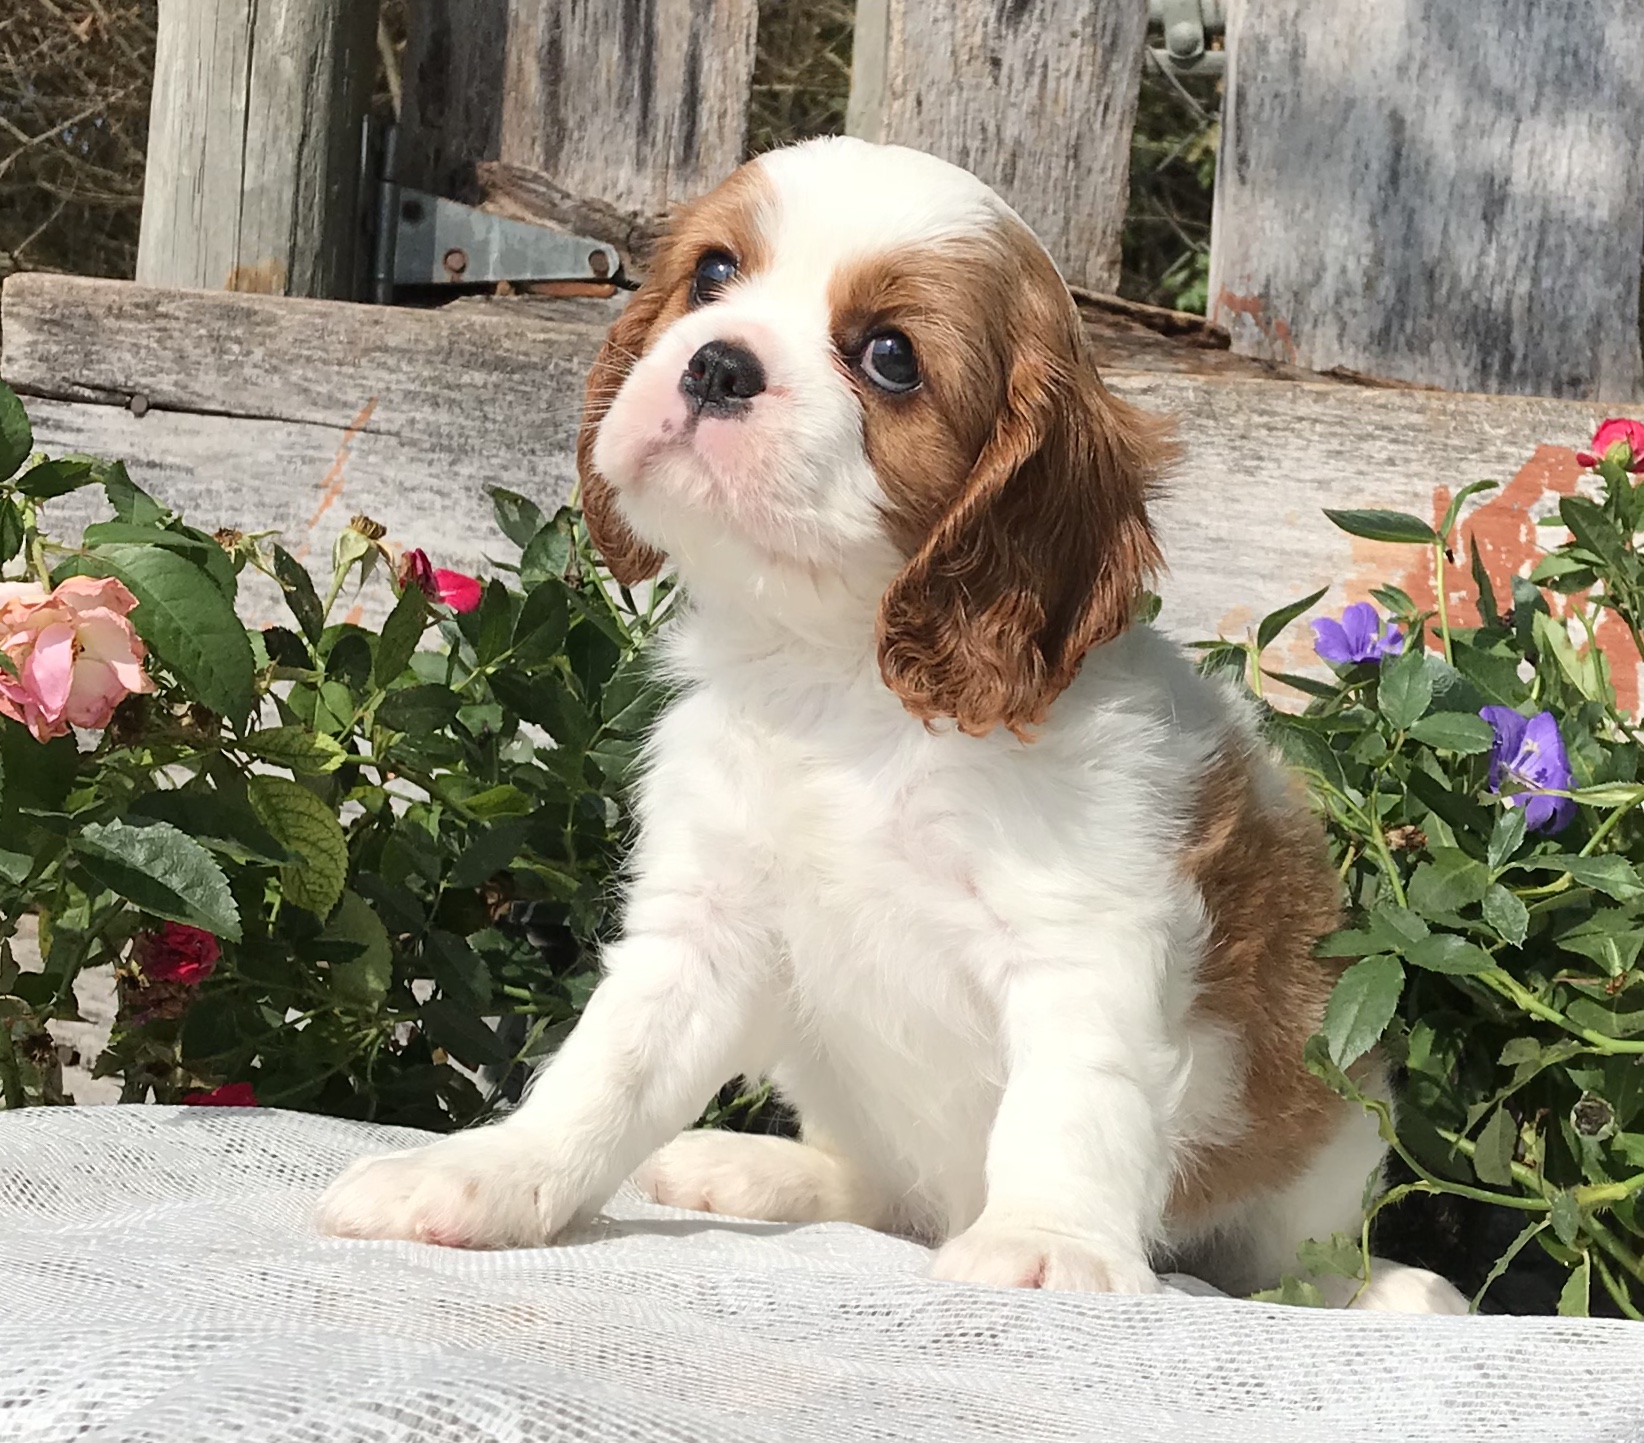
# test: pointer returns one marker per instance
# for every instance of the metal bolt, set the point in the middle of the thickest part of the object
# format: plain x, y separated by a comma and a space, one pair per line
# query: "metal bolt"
456, 261
599, 263
138, 405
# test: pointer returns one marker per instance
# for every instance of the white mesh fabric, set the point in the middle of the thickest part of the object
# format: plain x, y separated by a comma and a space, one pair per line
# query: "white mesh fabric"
160, 1283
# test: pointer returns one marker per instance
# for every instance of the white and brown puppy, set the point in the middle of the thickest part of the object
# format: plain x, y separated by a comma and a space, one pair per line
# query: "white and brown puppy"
1011, 905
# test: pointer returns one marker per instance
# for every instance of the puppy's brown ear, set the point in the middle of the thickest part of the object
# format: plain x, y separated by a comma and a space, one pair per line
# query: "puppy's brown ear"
1042, 556
629, 558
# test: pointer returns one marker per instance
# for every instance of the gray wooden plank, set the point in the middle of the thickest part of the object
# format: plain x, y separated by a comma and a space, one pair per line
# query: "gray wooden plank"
253, 173
639, 105
1439, 191
1037, 99
451, 114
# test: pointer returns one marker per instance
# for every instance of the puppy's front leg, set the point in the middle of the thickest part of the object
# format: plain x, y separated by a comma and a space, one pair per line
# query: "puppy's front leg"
661, 1032
1077, 1169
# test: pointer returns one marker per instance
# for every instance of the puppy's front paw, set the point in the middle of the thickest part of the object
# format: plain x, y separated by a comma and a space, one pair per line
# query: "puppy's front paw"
1008, 1255
474, 1190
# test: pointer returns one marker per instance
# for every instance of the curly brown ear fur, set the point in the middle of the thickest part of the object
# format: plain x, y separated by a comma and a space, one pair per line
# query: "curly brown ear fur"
1040, 558
629, 558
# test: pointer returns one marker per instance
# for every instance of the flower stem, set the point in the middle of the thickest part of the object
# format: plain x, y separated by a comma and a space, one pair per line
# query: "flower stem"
1443, 601
1509, 987
10, 1077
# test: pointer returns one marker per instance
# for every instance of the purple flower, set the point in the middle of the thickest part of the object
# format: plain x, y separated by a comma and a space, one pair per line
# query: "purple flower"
1528, 757
1354, 637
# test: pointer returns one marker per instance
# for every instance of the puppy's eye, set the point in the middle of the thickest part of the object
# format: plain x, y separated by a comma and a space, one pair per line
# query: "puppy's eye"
888, 361
714, 272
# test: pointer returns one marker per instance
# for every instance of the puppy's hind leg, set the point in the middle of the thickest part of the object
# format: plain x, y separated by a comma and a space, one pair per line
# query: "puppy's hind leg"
770, 1178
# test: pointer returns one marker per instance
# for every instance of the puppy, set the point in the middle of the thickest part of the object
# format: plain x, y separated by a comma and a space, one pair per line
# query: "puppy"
1011, 905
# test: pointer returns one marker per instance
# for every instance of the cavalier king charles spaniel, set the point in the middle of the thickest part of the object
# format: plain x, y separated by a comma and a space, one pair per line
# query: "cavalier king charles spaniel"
1011, 905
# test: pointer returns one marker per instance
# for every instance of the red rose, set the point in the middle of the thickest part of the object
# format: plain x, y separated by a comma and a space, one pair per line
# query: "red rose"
230, 1094
459, 592
1612, 435
177, 953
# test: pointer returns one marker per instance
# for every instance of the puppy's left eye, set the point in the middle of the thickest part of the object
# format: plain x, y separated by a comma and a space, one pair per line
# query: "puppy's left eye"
715, 271
888, 361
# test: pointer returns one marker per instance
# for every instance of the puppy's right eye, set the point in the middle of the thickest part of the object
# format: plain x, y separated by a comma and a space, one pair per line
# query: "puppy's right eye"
715, 271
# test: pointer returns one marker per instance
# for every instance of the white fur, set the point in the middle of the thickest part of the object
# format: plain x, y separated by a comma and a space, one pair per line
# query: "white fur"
969, 962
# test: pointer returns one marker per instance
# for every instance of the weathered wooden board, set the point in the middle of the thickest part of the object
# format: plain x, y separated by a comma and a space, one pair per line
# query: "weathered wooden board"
288, 414
1436, 190
253, 175
451, 114
640, 104
1038, 99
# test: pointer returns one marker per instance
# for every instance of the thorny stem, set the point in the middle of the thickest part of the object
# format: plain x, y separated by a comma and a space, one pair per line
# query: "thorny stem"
1511, 988
10, 1077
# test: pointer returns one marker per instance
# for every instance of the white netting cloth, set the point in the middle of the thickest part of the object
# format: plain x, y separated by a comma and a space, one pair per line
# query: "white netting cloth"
159, 1283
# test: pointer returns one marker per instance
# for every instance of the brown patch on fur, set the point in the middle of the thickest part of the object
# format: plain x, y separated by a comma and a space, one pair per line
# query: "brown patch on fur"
1018, 484
1265, 876
727, 219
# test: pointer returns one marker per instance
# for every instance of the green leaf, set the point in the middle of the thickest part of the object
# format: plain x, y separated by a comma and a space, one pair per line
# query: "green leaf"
16, 435
490, 627
1610, 795
300, 595
1487, 607
131, 503
1276, 621
1292, 1292
1451, 881
362, 980
539, 634
489, 851
222, 823
1361, 1006
548, 554
1394, 526
1587, 671
1340, 1256
1507, 915
11, 529
1446, 952
309, 830
1566, 1218
1612, 875
450, 1025
1594, 531
162, 871
459, 970
424, 708
1506, 837
1454, 731
38, 775
1494, 674
400, 635
1494, 1148
185, 619
55, 478
1574, 1296
518, 517
1405, 689
305, 752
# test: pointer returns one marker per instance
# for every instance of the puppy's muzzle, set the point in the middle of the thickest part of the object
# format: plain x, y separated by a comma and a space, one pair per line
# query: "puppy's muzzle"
721, 379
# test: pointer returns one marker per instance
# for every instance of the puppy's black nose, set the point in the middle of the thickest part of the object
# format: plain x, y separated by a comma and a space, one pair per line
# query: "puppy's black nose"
722, 378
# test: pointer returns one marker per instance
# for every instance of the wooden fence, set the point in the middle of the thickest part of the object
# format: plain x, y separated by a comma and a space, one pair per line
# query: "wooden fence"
1428, 192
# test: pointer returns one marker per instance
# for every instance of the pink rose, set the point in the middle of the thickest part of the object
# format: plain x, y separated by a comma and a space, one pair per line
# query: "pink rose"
230, 1094
177, 953
459, 592
1612, 435
74, 654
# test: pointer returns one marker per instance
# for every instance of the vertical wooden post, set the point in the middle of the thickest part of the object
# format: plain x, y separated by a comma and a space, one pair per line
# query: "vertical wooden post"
638, 105
1037, 97
253, 180
451, 117
1436, 191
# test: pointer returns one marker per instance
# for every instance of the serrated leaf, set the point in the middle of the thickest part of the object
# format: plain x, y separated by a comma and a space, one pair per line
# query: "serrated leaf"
423, 708
400, 635
1612, 875
1566, 1218
50, 479
300, 595
1405, 689
1573, 1298
184, 618
1487, 607
459, 970
1506, 914
463, 1035
1451, 881
307, 753
362, 980
1275, 621
490, 849
1448, 953
539, 633
518, 517
1454, 731
219, 822
1395, 526
1361, 1006
11, 529
162, 871
1453, 512
1292, 1292
1494, 1148
1338, 1256
310, 831
1506, 837
16, 435
1593, 530
130, 502
1610, 795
